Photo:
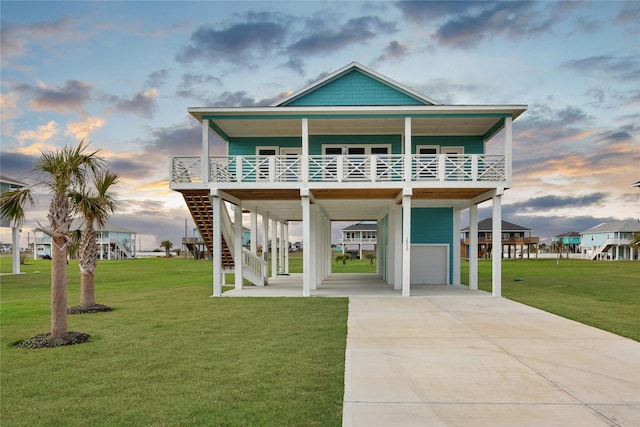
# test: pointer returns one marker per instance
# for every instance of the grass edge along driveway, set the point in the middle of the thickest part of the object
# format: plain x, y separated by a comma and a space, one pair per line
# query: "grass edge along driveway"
170, 355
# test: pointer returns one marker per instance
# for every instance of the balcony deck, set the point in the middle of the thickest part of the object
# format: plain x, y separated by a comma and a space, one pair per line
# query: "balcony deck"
439, 170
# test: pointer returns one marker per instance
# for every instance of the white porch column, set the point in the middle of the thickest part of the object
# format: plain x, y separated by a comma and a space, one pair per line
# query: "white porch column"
283, 248
265, 236
456, 247
253, 233
237, 246
205, 150
473, 247
406, 242
274, 248
216, 256
407, 149
286, 250
397, 244
305, 150
15, 250
508, 146
496, 256
313, 246
306, 243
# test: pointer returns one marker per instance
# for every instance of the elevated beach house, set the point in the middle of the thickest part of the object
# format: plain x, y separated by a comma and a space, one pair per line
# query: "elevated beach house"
364, 233
610, 241
515, 240
354, 145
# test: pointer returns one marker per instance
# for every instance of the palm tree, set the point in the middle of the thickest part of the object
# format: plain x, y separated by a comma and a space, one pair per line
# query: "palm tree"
166, 244
64, 172
95, 208
635, 240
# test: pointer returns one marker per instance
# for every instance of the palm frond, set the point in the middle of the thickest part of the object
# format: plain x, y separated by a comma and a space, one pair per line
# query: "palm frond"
12, 205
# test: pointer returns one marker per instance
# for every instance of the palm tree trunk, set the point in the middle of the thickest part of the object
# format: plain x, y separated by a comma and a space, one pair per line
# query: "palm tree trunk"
88, 252
60, 221
58, 288
87, 289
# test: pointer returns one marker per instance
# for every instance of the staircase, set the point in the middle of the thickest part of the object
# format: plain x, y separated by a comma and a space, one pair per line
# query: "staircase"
255, 269
604, 247
199, 205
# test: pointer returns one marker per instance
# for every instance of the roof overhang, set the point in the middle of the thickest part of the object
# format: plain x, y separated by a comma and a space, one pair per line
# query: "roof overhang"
479, 120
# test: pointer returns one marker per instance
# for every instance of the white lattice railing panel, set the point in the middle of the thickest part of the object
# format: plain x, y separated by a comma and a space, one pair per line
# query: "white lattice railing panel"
186, 169
343, 168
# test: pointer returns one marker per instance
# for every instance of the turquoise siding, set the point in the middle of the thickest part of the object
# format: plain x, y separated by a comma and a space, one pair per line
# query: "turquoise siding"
471, 144
247, 146
355, 88
433, 225
317, 141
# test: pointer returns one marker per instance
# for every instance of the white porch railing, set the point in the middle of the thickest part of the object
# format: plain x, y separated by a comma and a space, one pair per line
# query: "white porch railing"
254, 268
343, 168
355, 240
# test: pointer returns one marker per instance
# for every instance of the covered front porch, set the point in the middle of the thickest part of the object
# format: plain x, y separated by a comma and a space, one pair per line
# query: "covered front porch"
347, 285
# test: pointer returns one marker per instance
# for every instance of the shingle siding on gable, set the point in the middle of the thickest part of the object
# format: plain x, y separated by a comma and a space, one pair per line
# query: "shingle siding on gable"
355, 88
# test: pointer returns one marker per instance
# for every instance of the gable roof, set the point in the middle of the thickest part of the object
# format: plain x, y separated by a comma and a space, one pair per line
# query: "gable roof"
487, 225
365, 87
362, 226
11, 181
627, 226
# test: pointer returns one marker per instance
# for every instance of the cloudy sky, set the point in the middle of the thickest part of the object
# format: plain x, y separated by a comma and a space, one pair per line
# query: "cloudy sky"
122, 75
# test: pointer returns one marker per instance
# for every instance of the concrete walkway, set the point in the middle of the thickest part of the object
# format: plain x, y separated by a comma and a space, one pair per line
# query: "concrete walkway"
473, 360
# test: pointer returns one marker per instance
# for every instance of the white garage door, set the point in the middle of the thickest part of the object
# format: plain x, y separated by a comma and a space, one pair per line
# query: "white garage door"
429, 264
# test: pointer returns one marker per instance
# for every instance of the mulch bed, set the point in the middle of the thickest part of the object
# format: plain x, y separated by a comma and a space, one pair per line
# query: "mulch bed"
45, 340
97, 308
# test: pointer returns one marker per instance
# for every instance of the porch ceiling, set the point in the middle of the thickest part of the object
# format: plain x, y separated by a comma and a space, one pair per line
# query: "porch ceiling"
291, 127
348, 204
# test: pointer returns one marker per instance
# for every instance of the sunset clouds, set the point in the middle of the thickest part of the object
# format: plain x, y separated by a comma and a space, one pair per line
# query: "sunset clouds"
122, 75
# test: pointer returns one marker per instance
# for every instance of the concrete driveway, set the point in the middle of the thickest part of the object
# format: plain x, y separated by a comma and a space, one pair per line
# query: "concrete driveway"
475, 360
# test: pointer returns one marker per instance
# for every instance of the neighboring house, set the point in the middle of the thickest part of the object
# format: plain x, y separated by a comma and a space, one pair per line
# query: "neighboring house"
361, 234
512, 236
9, 184
114, 242
354, 145
569, 242
610, 241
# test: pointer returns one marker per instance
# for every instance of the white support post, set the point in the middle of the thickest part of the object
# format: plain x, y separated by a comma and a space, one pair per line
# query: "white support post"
406, 244
473, 247
496, 257
456, 247
216, 256
306, 242
305, 150
237, 246
274, 249
397, 245
253, 233
15, 250
407, 149
265, 236
283, 247
313, 246
286, 251
205, 150
508, 146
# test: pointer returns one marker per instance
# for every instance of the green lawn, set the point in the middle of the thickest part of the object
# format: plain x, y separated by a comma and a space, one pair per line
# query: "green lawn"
604, 294
169, 354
